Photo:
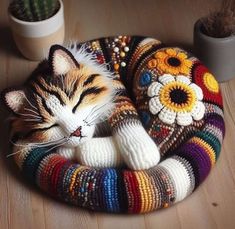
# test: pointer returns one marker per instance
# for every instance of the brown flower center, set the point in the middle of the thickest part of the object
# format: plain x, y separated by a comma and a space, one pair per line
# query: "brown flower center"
179, 96
173, 61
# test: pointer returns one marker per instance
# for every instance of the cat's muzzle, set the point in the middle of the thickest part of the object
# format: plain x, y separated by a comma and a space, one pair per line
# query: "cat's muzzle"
77, 132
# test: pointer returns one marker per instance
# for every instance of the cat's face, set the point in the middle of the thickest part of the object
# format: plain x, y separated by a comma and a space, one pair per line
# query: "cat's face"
61, 106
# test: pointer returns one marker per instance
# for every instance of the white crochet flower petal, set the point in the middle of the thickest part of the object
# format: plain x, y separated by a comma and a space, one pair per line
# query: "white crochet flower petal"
183, 79
155, 105
166, 78
197, 90
184, 118
167, 116
154, 89
198, 111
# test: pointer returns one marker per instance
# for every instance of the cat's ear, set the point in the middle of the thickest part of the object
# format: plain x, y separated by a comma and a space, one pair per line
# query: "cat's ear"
13, 99
61, 60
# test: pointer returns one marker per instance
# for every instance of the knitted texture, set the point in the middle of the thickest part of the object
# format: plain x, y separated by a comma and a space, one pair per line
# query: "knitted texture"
175, 109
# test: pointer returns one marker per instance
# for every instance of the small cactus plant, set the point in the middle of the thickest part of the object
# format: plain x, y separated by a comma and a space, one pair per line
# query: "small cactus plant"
220, 23
33, 10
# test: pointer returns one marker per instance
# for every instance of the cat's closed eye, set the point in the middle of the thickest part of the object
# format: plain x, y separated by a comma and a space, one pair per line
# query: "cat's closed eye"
89, 91
35, 131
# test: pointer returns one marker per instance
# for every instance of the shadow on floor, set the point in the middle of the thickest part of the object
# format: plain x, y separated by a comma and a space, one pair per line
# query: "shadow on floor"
8, 162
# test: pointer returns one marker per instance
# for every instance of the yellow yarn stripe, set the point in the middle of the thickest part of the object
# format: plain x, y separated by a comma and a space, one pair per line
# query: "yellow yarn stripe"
146, 191
73, 178
151, 193
207, 148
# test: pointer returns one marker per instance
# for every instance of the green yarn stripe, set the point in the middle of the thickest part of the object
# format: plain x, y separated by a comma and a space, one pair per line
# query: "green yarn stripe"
211, 140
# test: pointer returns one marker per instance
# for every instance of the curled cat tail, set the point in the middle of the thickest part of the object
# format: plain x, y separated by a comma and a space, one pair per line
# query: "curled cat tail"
116, 190
175, 108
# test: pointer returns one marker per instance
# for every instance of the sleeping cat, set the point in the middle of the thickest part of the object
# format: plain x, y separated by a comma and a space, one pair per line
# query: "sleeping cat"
65, 99
83, 89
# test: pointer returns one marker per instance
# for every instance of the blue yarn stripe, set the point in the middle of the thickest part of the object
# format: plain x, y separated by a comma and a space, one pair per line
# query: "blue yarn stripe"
32, 161
110, 190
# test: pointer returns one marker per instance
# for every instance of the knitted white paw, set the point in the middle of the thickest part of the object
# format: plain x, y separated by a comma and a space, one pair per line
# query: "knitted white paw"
99, 152
139, 151
67, 152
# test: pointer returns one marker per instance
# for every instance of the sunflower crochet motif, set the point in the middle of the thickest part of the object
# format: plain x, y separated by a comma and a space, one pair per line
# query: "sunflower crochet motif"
176, 99
170, 60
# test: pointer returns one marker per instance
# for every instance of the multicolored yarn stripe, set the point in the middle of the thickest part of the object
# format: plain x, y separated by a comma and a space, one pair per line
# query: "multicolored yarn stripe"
190, 148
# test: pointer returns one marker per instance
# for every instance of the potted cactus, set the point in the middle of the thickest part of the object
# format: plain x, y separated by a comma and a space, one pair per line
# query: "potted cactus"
36, 25
214, 41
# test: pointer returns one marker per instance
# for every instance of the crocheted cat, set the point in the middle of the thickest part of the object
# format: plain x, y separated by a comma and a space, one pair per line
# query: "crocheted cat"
65, 99
71, 92
153, 98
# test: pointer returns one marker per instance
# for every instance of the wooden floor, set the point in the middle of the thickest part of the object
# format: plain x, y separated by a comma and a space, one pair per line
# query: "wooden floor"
211, 206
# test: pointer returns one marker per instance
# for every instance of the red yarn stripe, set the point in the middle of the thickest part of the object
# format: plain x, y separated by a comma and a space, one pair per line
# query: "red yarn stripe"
133, 192
198, 71
55, 175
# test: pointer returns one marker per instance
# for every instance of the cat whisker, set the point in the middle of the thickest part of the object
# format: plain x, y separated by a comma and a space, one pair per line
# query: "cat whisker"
30, 103
94, 122
42, 144
33, 111
57, 145
31, 115
17, 144
12, 154
26, 115
49, 144
19, 151
90, 122
93, 117
89, 113
98, 109
94, 112
32, 120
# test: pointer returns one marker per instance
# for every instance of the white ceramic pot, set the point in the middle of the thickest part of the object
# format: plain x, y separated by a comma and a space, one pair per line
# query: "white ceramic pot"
34, 39
218, 54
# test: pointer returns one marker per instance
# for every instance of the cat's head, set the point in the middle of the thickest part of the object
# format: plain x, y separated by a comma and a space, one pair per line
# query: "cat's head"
62, 101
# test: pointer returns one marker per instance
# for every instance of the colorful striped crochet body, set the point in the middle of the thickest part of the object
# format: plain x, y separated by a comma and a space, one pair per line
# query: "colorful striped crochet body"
162, 82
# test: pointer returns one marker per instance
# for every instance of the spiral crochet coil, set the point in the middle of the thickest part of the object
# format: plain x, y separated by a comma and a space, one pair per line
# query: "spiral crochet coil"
181, 171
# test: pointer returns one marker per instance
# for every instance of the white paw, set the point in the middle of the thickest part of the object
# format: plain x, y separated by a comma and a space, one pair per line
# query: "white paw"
137, 148
99, 152
67, 152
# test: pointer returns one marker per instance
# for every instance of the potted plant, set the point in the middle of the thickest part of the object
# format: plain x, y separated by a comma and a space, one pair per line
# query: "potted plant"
36, 25
214, 41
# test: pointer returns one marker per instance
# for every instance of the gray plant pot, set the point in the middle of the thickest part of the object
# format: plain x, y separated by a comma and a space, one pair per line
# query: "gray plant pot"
218, 54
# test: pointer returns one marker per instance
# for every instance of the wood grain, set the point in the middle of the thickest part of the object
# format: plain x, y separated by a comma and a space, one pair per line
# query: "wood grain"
24, 206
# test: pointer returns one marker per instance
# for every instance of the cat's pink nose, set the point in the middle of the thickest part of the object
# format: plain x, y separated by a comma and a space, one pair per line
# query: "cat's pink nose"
77, 132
